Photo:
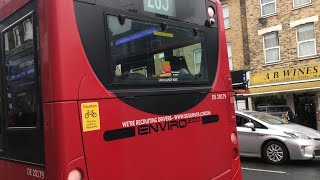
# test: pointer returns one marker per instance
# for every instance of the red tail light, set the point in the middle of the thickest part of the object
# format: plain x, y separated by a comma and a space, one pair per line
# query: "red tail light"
235, 153
234, 138
75, 175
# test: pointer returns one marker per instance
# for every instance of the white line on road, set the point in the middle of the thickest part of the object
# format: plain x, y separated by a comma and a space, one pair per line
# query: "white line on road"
263, 170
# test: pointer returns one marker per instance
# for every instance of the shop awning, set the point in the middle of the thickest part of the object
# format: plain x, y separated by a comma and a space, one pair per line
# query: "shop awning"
283, 88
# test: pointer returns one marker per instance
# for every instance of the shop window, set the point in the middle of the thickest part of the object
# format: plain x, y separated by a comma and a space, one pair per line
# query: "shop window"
306, 41
226, 16
271, 47
230, 56
297, 3
268, 7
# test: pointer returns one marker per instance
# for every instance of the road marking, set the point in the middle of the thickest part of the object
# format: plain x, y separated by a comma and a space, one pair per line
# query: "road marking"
263, 170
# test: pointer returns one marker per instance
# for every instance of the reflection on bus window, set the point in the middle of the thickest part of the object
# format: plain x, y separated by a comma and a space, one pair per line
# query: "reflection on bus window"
20, 76
143, 53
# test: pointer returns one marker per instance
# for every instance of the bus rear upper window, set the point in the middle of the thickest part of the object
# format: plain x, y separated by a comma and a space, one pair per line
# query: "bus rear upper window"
144, 52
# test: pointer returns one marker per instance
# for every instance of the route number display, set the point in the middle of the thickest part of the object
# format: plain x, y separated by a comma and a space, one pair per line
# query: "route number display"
164, 7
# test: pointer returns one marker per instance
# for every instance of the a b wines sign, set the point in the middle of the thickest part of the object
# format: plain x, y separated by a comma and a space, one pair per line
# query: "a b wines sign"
286, 75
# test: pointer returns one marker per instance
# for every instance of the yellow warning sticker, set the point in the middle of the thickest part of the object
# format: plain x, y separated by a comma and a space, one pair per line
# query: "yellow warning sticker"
90, 116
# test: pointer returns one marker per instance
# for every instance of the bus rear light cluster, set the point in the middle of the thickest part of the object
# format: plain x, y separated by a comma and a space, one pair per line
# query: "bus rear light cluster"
75, 175
235, 153
210, 21
210, 11
233, 138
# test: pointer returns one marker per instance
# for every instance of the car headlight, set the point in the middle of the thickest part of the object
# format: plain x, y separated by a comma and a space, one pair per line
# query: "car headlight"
298, 135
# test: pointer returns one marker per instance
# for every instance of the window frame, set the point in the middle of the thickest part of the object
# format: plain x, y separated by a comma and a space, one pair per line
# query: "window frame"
301, 5
270, 14
298, 43
227, 17
4, 96
265, 49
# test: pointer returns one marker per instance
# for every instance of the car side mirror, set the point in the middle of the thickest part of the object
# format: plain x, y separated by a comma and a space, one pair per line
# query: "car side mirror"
250, 125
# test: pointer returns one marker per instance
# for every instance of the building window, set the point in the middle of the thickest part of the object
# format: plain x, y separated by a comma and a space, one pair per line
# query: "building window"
268, 7
28, 31
197, 60
6, 43
306, 41
229, 55
271, 47
226, 18
297, 3
16, 34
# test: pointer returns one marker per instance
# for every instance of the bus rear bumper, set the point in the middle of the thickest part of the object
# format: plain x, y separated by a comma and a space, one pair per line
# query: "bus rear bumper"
227, 175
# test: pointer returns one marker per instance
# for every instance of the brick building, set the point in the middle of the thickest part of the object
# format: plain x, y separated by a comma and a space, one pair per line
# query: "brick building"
234, 13
284, 62
234, 20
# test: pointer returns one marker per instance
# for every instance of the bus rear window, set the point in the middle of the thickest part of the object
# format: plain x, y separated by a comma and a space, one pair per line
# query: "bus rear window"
144, 52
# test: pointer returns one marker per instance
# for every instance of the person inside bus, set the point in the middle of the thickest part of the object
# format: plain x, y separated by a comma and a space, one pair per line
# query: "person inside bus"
178, 63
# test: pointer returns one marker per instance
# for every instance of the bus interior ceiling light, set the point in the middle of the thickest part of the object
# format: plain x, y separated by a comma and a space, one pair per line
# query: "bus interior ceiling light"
134, 36
75, 175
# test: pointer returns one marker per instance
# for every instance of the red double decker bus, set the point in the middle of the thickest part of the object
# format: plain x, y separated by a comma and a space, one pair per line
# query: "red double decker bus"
109, 89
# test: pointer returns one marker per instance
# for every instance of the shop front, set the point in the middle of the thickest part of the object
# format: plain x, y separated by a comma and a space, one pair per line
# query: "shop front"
240, 87
294, 91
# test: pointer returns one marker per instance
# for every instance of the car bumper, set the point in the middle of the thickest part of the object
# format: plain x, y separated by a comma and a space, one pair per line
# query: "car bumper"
300, 149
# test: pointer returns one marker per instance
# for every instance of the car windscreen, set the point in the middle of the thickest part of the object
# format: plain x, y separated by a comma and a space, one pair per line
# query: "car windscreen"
145, 52
267, 118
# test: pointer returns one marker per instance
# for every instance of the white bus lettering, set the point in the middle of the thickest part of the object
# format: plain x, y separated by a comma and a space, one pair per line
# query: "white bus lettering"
35, 173
150, 5
158, 4
166, 8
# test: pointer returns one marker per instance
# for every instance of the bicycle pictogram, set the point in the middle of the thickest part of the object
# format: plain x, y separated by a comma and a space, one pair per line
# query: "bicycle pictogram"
90, 114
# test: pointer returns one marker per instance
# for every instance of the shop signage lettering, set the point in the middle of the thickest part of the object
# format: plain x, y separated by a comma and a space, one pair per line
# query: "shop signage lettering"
286, 75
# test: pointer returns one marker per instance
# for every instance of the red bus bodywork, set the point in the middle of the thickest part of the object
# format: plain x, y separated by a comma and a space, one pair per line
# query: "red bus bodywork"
67, 81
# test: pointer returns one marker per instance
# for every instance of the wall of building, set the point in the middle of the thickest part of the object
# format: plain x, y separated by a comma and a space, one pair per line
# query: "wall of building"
234, 34
285, 14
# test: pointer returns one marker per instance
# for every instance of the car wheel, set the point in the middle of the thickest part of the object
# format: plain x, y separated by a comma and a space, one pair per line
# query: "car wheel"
275, 152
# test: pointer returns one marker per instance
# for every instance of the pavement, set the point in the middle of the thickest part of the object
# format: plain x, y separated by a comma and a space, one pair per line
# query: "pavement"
257, 169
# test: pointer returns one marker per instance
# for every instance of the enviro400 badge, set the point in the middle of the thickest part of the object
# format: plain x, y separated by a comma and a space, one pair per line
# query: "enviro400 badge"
160, 124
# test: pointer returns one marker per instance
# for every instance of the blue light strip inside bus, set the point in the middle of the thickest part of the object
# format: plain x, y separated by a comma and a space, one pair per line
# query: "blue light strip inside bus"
133, 37
17, 76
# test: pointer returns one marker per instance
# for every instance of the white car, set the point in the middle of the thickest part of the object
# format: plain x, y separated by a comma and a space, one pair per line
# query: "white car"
274, 139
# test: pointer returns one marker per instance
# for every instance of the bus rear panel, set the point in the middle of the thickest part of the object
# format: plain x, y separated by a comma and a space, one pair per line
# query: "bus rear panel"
124, 90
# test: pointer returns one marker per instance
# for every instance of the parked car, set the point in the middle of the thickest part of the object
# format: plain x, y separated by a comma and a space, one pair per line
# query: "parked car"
280, 111
275, 140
